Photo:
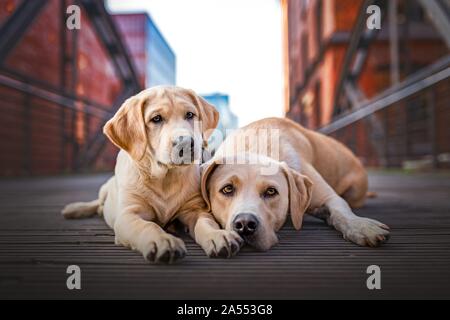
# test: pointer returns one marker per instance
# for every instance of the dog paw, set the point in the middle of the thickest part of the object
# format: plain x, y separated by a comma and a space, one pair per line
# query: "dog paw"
367, 232
222, 244
165, 249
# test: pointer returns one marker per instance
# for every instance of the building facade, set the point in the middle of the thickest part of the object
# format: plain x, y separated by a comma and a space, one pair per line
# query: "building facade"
228, 120
59, 86
318, 34
154, 59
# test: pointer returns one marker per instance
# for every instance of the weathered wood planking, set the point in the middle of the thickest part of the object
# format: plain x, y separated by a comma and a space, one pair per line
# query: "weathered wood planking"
37, 245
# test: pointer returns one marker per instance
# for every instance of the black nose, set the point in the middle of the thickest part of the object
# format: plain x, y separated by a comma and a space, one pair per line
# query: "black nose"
182, 144
184, 141
245, 224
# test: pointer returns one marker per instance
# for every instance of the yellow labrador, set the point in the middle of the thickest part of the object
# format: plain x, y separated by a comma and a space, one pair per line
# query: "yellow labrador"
157, 178
252, 192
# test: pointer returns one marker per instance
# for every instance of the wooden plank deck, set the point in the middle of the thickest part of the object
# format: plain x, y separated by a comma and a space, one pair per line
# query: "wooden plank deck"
37, 245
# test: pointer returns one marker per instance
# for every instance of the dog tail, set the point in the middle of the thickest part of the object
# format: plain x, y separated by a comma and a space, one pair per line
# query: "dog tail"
371, 194
78, 210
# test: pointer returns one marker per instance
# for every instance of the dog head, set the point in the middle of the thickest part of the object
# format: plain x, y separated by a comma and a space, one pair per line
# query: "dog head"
252, 204
165, 125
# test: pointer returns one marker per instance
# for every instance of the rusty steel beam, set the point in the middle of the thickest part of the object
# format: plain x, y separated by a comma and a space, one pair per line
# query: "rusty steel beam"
354, 94
355, 39
111, 39
439, 17
16, 26
419, 81
59, 99
15, 77
336, 38
356, 53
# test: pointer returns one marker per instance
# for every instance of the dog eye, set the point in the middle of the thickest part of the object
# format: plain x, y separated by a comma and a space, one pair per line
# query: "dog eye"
157, 119
228, 190
270, 192
190, 115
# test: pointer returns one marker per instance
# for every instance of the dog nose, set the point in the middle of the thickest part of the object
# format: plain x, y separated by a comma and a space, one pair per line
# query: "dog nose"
245, 224
184, 141
183, 147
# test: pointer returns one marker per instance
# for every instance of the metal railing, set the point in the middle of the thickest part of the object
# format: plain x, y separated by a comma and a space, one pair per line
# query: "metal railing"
407, 124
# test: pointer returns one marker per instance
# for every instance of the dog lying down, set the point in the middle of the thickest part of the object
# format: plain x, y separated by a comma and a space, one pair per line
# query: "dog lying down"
251, 193
156, 178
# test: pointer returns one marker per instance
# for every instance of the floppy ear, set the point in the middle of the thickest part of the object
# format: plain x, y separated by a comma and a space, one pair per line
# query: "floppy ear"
127, 128
300, 190
208, 114
206, 171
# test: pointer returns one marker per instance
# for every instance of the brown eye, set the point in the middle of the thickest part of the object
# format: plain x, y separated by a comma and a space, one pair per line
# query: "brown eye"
190, 115
228, 190
270, 192
157, 119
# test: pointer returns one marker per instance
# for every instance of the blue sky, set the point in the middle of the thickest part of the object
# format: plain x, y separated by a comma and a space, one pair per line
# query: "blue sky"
228, 46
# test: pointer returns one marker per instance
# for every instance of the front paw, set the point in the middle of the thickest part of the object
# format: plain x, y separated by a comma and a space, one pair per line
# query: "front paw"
165, 249
367, 232
222, 244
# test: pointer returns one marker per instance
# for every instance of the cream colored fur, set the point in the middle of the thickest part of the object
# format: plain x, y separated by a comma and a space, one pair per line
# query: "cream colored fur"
148, 191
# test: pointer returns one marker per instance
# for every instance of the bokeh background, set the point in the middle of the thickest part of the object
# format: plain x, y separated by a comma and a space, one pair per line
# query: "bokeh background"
385, 93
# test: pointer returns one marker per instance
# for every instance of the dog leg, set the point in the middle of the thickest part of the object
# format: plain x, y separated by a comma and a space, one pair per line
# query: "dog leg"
362, 231
327, 205
216, 242
147, 237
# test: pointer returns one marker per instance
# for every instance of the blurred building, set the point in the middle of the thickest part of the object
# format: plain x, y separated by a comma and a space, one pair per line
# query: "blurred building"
152, 55
59, 86
228, 120
368, 87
